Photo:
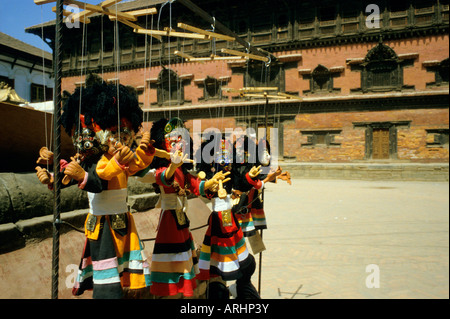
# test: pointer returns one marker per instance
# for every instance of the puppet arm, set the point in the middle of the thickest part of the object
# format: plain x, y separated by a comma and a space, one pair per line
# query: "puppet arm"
252, 177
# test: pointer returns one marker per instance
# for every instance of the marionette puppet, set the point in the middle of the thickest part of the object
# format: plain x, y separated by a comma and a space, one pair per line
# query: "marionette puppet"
224, 251
113, 256
174, 263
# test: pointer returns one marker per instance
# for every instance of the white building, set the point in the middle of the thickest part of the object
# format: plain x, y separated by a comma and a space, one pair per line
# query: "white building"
26, 69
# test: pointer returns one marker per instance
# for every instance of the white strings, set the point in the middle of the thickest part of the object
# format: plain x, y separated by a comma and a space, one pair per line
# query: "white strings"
83, 45
48, 140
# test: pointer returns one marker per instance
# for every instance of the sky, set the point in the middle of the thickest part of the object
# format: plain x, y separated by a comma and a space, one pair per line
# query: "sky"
16, 15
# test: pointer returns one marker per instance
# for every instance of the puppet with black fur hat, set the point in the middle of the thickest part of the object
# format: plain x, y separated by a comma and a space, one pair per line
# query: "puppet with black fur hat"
102, 120
174, 261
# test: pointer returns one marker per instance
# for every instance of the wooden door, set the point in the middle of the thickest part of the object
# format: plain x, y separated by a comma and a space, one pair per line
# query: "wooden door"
380, 143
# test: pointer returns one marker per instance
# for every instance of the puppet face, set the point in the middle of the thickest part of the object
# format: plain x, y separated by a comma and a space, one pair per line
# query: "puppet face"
174, 142
174, 132
265, 158
87, 143
125, 135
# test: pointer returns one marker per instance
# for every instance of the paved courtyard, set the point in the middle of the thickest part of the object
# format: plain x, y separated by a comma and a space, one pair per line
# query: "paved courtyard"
326, 239
335, 239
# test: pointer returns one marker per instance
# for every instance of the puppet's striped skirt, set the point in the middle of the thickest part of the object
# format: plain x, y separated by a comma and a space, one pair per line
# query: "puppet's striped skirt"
224, 252
112, 259
174, 261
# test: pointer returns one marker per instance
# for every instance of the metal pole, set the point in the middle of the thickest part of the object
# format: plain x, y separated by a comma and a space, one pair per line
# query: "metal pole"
57, 64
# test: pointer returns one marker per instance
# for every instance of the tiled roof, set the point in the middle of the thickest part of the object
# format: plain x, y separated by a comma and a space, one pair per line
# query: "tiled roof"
18, 45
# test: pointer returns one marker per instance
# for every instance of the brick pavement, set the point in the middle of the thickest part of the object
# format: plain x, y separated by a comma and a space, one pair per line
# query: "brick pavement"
324, 233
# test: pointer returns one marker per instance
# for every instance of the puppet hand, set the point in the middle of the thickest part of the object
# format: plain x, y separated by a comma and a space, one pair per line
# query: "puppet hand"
213, 183
272, 176
75, 171
221, 176
43, 175
124, 155
255, 171
45, 156
178, 158
146, 142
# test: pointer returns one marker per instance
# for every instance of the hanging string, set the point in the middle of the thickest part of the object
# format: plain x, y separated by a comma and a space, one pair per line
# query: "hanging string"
169, 42
83, 45
48, 140
117, 53
145, 68
102, 45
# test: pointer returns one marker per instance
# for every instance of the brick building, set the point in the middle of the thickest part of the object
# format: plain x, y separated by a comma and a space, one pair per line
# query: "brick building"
372, 87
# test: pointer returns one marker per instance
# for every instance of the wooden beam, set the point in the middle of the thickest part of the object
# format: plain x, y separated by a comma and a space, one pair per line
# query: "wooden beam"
70, 14
215, 58
184, 55
143, 12
86, 13
263, 96
40, 2
108, 3
208, 33
99, 9
259, 89
289, 96
169, 33
135, 26
242, 54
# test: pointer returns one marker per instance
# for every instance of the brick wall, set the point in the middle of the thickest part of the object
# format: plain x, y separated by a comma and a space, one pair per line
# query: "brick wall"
428, 49
411, 141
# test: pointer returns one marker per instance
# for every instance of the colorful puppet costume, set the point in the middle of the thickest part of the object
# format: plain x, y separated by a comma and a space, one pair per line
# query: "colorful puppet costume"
250, 213
113, 256
224, 252
174, 261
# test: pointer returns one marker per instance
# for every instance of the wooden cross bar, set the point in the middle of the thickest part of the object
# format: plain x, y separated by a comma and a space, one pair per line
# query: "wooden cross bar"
207, 33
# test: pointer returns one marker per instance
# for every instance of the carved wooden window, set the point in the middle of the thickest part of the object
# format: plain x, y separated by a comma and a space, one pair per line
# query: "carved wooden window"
424, 12
324, 138
327, 21
212, 89
441, 70
399, 13
381, 70
437, 138
258, 76
170, 90
321, 80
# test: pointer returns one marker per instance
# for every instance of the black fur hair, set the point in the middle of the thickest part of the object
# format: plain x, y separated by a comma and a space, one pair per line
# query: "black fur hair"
99, 104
